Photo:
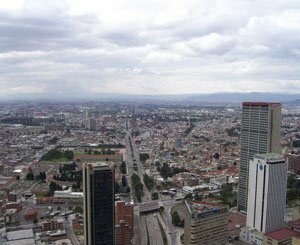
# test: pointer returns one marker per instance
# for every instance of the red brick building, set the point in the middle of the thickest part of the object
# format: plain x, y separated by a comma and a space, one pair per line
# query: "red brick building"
124, 228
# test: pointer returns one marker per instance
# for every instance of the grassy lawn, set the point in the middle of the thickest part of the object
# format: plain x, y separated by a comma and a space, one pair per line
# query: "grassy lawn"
61, 159
41, 195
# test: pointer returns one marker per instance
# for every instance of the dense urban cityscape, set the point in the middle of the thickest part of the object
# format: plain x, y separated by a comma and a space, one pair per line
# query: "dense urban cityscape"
161, 170
153, 122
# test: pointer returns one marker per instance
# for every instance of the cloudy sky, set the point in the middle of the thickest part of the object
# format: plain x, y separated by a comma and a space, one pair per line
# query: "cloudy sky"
148, 47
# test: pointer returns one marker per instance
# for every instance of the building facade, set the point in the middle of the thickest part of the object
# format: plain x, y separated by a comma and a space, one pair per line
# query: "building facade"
99, 214
205, 223
69, 197
267, 192
260, 133
293, 162
124, 227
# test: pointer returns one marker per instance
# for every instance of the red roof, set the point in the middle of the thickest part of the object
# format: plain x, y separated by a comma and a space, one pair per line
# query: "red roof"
294, 224
281, 234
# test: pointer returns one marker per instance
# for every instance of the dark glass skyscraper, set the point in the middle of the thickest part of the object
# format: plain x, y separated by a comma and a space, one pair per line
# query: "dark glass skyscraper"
98, 189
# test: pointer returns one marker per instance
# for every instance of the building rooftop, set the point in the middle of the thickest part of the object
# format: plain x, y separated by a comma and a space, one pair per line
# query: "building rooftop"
99, 165
18, 235
270, 157
281, 234
295, 224
204, 209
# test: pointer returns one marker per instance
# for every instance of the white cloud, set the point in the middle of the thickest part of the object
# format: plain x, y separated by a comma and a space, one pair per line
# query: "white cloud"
149, 46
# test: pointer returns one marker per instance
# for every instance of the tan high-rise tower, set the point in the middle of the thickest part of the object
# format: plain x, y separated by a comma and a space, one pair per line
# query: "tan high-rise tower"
260, 134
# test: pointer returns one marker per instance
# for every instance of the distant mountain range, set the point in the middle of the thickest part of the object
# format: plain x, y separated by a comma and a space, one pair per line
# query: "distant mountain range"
213, 98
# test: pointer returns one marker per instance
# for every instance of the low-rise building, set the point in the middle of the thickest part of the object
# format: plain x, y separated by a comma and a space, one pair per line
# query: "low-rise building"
30, 214
205, 223
251, 236
11, 216
51, 225
67, 196
24, 237
280, 237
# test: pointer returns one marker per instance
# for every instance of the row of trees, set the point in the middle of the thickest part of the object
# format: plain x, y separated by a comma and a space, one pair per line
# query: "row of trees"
138, 187
68, 172
123, 188
40, 177
102, 152
149, 182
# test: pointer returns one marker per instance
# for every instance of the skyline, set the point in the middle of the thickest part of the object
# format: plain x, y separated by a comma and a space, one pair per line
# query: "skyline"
63, 48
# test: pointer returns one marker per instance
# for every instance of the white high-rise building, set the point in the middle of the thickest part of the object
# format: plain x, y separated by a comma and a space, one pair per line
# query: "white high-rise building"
267, 192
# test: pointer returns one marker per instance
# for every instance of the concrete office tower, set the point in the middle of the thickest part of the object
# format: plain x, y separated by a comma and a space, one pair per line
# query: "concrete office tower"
267, 192
99, 206
124, 223
260, 133
205, 223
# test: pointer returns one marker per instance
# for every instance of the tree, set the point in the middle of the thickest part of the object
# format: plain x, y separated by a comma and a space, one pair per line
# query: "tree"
216, 156
54, 187
69, 155
198, 197
78, 210
176, 218
123, 167
35, 220
41, 176
149, 182
165, 171
124, 181
188, 196
154, 196
292, 181
53, 154
30, 176
144, 157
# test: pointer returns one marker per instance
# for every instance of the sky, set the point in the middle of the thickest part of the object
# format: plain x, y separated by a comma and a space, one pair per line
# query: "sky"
75, 47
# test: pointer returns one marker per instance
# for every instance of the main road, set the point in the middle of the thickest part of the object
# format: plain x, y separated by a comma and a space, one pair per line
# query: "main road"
146, 225
133, 157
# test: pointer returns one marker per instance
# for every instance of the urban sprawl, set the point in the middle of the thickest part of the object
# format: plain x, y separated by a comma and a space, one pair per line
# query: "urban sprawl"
170, 171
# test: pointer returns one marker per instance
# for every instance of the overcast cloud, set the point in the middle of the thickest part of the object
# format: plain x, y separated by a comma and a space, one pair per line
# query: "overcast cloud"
149, 47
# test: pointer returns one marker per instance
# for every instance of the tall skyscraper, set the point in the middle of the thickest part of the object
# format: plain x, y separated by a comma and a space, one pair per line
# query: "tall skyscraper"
267, 192
260, 133
99, 214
